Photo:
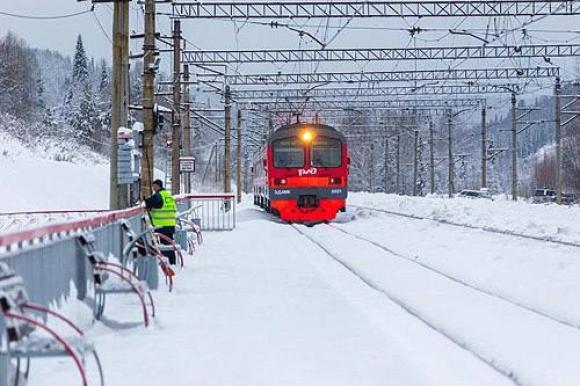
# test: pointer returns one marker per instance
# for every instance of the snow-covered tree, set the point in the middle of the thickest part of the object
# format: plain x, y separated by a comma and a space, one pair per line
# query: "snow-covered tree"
80, 73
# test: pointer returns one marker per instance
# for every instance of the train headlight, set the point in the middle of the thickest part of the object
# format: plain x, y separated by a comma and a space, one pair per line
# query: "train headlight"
307, 136
280, 181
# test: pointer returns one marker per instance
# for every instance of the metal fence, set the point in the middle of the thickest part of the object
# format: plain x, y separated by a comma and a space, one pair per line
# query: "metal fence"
51, 263
211, 212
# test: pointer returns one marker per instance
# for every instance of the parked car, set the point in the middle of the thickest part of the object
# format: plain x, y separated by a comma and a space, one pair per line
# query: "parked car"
544, 196
467, 193
568, 198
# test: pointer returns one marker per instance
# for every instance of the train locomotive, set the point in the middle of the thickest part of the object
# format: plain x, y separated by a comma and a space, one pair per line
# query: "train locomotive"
301, 173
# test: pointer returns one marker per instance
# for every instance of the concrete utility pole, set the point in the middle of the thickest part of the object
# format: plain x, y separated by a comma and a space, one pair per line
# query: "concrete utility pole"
558, 139
148, 100
118, 194
484, 148
432, 156
386, 179
513, 146
176, 128
372, 169
228, 142
416, 163
186, 125
246, 172
398, 164
270, 124
451, 163
239, 158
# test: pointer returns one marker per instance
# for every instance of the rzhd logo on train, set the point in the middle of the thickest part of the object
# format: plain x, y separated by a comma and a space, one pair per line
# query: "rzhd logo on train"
307, 172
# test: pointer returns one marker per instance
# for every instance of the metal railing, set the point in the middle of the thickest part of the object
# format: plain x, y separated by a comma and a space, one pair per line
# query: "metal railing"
212, 212
49, 258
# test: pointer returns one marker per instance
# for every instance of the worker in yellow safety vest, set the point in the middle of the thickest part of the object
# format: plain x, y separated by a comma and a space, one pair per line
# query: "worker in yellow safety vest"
163, 213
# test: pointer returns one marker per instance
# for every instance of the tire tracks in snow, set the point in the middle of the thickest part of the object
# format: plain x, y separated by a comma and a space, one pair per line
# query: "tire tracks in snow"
493, 365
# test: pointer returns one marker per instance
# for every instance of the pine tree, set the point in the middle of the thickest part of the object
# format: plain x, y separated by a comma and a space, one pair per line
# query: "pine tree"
104, 103
80, 63
85, 119
40, 105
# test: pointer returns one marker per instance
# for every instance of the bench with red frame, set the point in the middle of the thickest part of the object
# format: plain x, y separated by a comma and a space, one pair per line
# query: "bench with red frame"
112, 278
23, 320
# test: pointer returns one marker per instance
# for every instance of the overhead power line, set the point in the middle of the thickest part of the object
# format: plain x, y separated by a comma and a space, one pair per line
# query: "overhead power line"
49, 17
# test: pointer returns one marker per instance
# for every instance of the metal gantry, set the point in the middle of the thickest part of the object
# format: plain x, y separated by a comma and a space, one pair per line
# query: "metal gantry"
387, 104
382, 76
243, 10
545, 51
358, 93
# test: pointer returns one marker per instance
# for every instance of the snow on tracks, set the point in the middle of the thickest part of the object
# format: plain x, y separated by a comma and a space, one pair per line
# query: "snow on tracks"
484, 228
529, 348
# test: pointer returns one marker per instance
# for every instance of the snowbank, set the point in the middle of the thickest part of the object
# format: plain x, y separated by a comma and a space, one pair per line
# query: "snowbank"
548, 221
51, 176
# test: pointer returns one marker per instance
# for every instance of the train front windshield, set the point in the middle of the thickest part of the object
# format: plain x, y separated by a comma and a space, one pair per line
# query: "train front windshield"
288, 153
326, 152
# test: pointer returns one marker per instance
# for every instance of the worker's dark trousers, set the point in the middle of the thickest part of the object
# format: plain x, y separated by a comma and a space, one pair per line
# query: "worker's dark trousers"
169, 232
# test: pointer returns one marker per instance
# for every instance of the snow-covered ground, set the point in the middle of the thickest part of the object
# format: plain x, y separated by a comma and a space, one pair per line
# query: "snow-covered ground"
265, 305
386, 300
548, 221
50, 176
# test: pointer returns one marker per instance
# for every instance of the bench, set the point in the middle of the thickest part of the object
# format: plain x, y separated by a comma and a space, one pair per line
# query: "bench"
188, 224
139, 247
22, 319
112, 278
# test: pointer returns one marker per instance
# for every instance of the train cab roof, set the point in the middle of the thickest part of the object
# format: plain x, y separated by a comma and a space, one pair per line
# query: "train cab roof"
297, 129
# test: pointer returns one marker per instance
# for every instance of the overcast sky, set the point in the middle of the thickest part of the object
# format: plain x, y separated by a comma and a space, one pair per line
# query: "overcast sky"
61, 34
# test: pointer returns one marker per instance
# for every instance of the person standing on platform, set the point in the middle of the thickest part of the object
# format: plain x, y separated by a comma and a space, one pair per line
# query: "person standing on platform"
163, 213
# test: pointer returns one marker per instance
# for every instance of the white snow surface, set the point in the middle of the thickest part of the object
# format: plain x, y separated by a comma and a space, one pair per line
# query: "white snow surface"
558, 222
34, 179
263, 305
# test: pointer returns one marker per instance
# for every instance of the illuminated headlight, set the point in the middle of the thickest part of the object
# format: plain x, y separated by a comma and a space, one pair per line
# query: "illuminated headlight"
280, 181
307, 136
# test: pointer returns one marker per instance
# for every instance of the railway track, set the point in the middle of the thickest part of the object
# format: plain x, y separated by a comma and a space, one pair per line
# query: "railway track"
419, 314
469, 226
410, 310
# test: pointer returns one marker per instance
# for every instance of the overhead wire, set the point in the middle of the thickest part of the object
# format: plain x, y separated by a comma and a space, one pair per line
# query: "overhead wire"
46, 17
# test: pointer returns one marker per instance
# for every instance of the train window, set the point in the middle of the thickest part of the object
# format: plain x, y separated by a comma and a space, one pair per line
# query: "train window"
288, 153
326, 152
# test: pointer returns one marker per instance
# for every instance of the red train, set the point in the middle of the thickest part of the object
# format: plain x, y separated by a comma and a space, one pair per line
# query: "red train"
301, 173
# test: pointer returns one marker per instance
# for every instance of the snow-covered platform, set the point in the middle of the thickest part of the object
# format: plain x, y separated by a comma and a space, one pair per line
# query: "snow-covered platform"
265, 305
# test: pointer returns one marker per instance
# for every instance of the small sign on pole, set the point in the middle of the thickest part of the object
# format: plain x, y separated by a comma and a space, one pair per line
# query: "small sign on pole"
187, 164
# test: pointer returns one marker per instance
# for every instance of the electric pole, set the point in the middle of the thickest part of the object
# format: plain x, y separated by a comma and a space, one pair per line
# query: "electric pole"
372, 168
416, 163
148, 100
118, 194
432, 156
386, 179
484, 147
228, 141
398, 164
514, 148
186, 125
239, 158
176, 128
558, 139
451, 164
